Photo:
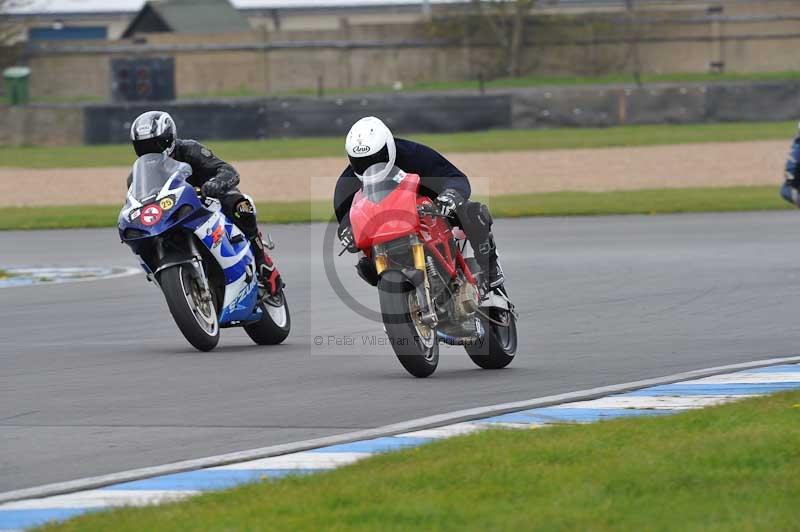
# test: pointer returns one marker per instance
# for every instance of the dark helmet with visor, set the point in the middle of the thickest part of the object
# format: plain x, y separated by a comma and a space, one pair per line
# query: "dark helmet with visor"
154, 132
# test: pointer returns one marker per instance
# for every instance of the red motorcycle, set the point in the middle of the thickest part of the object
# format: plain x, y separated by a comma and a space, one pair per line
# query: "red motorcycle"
429, 292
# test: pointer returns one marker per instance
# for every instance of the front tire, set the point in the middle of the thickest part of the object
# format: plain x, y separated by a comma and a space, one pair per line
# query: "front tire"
193, 311
416, 346
275, 322
498, 346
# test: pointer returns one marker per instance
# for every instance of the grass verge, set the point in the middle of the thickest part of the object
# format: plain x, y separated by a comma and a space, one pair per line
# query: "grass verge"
516, 83
474, 84
484, 141
661, 201
733, 467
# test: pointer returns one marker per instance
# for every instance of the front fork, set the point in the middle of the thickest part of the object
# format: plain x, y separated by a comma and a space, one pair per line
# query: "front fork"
418, 277
167, 257
202, 275
428, 312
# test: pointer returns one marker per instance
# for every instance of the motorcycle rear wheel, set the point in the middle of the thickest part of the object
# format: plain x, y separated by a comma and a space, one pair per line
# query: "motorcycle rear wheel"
196, 318
416, 347
275, 322
498, 346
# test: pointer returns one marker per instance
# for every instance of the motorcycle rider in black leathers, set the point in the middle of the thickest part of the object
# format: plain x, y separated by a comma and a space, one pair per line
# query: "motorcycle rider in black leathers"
789, 190
439, 179
155, 132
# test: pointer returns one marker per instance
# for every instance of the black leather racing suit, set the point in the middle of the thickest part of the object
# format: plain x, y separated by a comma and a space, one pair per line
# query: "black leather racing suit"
789, 190
436, 175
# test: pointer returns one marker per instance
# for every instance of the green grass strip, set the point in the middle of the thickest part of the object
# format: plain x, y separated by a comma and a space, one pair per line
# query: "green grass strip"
484, 141
730, 468
657, 201
474, 85
613, 79
661, 201
513, 83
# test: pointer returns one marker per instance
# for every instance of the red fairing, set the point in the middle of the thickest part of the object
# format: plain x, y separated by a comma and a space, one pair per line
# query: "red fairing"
394, 217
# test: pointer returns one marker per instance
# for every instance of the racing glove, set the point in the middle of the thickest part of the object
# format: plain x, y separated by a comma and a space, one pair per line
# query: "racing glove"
213, 188
448, 201
347, 239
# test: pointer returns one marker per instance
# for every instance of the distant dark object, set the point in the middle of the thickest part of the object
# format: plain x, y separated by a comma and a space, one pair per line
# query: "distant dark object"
143, 80
68, 33
187, 16
16, 80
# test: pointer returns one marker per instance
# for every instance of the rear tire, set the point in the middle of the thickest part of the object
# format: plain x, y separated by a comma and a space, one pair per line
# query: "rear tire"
499, 344
275, 322
196, 319
416, 347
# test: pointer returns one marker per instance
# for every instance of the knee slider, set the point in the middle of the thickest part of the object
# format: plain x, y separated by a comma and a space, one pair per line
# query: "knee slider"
245, 208
245, 214
484, 216
477, 212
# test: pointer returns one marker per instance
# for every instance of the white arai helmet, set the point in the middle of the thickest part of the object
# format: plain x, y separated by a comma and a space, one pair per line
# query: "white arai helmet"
371, 143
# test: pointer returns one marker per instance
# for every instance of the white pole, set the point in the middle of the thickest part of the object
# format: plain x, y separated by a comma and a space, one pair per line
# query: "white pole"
426, 9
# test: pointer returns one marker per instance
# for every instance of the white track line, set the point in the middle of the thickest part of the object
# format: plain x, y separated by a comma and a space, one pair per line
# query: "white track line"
750, 378
101, 498
657, 402
298, 461
459, 429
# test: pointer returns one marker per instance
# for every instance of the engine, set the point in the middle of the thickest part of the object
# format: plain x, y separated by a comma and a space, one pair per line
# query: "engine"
465, 301
456, 300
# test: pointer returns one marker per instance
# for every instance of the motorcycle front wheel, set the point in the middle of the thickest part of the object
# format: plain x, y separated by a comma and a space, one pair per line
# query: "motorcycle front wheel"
191, 306
416, 345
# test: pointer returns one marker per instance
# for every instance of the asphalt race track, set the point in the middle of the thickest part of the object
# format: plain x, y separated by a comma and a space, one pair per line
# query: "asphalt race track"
95, 378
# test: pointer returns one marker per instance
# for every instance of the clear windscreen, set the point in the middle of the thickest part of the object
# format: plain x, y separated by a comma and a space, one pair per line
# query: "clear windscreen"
152, 171
379, 180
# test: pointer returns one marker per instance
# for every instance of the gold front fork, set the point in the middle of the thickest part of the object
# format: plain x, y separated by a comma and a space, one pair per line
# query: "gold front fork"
418, 251
381, 263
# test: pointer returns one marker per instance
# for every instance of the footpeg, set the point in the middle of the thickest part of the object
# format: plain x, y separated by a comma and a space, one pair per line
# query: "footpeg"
269, 243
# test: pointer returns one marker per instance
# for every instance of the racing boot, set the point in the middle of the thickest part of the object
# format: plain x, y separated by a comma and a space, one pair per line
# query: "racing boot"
486, 256
268, 276
476, 221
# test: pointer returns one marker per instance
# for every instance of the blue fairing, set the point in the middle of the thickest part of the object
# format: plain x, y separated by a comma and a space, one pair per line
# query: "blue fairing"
191, 218
245, 301
188, 212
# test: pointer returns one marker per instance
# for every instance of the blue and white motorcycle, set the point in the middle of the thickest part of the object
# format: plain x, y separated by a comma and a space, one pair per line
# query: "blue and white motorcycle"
200, 260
